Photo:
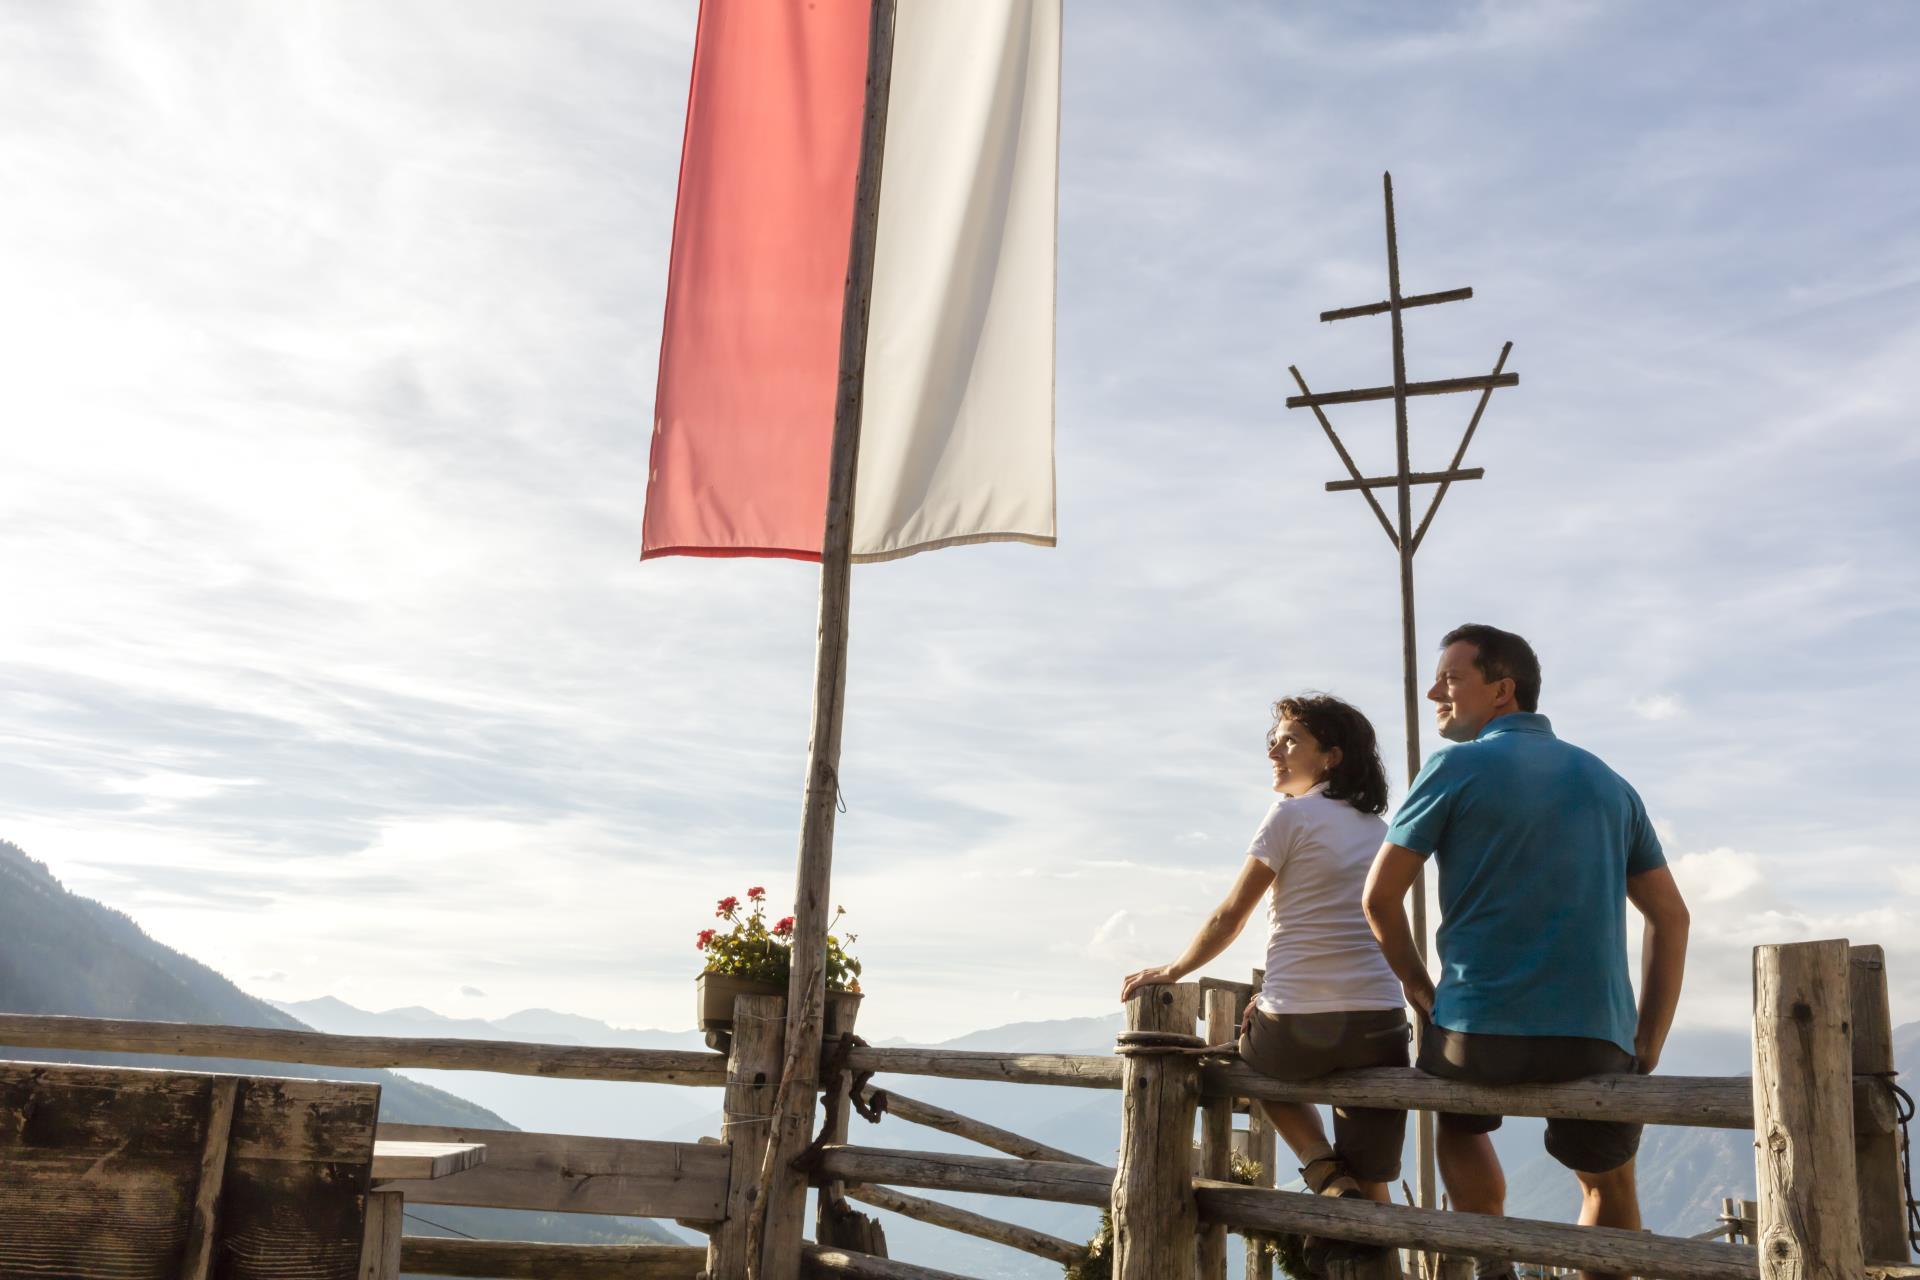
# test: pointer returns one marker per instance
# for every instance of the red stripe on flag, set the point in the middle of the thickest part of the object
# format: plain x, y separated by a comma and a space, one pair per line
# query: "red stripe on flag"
749, 354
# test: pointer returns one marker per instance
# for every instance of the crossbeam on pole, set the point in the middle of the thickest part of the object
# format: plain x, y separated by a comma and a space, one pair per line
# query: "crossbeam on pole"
1437, 387
1412, 477
1381, 308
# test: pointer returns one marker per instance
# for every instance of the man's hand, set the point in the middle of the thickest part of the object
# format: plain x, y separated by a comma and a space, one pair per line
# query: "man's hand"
1646, 1055
1158, 976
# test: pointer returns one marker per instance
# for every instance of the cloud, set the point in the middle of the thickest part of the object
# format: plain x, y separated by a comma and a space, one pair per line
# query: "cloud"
327, 651
472, 992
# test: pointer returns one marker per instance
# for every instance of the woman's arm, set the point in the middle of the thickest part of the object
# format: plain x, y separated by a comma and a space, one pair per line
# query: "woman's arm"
1216, 935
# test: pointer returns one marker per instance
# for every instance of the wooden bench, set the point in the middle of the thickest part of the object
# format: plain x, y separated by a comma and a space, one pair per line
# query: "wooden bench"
128, 1173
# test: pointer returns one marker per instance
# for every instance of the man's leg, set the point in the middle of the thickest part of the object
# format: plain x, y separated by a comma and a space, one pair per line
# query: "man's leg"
1471, 1170
1609, 1199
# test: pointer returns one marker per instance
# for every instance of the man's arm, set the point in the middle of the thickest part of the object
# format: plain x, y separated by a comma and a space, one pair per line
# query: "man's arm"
1216, 935
1385, 902
1663, 960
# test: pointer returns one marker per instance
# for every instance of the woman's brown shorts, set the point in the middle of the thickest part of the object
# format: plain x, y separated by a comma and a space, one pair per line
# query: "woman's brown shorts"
1301, 1046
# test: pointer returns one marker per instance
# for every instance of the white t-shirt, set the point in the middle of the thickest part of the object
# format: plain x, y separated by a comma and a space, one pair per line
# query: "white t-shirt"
1321, 956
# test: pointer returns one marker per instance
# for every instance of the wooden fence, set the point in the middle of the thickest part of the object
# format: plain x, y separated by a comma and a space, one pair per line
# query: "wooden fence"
1831, 1198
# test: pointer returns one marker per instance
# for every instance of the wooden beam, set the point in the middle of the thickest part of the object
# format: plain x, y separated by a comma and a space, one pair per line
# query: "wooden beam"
989, 1175
1413, 477
526, 1260
1222, 1007
381, 1238
1075, 1070
954, 1218
566, 1173
1399, 1226
1382, 308
1876, 1155
1154, 1219
753, 1075
424, 1159
203, 1226
1809, 1221
925, 1113
1707, 1102
276, 1044
1437, 387
827, 1260
1346, 459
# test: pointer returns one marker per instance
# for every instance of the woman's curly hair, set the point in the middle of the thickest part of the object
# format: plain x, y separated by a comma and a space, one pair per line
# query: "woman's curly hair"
1359, 779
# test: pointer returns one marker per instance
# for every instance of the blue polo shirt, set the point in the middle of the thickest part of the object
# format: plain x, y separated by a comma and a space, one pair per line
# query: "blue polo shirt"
1535, 840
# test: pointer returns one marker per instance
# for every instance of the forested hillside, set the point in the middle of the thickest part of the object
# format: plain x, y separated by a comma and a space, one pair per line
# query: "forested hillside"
65, 954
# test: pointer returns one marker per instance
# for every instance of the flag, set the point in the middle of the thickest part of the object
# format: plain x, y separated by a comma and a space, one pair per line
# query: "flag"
956, 440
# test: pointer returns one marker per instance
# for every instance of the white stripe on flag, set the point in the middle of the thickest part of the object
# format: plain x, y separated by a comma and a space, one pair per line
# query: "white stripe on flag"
956, 440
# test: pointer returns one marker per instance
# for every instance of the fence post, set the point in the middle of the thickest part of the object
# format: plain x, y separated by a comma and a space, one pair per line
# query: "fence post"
753, 1076
1876, 1156
1809, 1219
835, 1222
1262, 1147
1223, 1005
1154, 1215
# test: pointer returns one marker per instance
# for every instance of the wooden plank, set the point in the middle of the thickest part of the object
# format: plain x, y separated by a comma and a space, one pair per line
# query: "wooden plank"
1399, 1226
1876, 1154
567, 1173
274, 1044
987, 1135
204, 1222
424, 1160
1460, 453
1435, 387
988, 1175
1154, 1218
525, 1260
1708, 1102
1222, 1006
954, 1218
753, 1074
1809, 1220
825, 1260
1074, 1070
1413, 477
380, 1247
1381, 308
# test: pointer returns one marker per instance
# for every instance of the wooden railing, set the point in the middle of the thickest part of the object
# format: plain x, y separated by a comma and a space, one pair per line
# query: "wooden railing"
1830, 1192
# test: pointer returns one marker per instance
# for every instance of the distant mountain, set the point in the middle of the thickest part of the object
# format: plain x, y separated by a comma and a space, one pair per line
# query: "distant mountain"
614, 1109
64, 954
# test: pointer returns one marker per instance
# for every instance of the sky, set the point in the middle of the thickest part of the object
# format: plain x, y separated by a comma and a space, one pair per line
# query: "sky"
327, 350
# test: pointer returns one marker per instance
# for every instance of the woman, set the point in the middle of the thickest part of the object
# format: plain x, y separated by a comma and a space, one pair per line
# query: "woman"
1329, 1001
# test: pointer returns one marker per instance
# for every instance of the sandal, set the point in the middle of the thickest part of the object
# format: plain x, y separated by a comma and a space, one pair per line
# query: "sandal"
1326, 1176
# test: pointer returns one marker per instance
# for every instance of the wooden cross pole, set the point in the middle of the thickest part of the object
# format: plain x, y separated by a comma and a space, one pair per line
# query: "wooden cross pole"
1400, 529
778, 1212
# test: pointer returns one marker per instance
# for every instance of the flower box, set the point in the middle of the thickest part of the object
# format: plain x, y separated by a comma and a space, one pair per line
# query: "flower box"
715, 994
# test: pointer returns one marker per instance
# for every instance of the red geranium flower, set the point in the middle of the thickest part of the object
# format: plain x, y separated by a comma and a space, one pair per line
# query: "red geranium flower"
701, 939
756, 893
728, 905
783, 928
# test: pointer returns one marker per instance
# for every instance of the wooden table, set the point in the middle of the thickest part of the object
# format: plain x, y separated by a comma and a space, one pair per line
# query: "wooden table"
394, 1161
401, 1161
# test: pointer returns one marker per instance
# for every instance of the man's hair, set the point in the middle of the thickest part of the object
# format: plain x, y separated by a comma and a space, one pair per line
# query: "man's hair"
1359, 779
1502, 655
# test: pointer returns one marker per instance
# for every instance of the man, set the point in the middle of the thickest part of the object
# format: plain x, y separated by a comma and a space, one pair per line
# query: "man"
1540, 847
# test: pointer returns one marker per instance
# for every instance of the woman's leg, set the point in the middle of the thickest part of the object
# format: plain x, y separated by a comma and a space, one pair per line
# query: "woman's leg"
1298, 1125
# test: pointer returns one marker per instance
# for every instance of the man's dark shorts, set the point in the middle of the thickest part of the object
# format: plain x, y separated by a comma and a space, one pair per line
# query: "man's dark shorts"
1301, 1046
1586, 1146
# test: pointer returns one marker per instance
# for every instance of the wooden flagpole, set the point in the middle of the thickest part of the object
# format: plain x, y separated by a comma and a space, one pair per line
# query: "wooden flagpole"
779, 1207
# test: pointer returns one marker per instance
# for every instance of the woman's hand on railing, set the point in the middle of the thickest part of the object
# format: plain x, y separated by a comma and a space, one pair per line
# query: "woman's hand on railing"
1158, 976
